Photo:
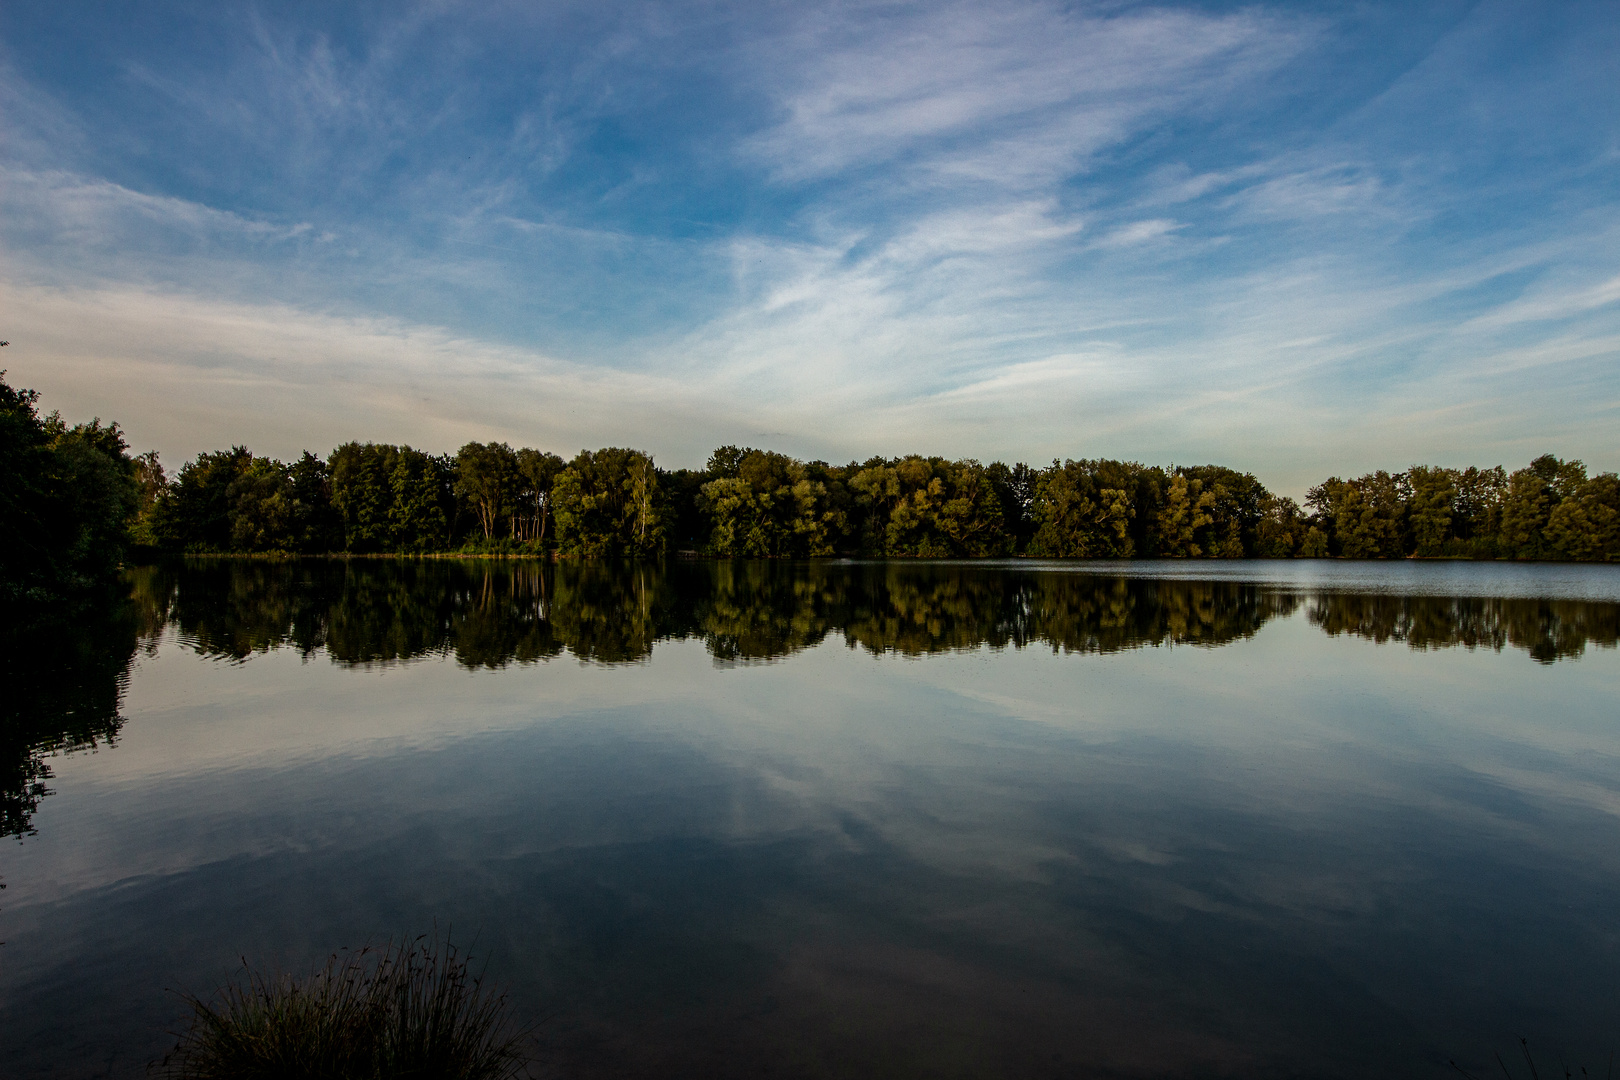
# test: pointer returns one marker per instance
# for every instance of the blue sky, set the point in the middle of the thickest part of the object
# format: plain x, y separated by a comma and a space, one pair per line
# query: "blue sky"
1298, 239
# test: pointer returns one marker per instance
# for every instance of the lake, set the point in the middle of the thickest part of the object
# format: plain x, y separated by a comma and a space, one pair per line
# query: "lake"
747, 819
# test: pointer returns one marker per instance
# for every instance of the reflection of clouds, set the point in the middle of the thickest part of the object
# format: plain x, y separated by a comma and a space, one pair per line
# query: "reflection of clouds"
1080, 844
1165, 857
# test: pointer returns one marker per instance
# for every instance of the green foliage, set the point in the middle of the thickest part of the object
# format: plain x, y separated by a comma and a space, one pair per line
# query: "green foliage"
537, 474
1235, 504
68, 499
1585, 525
73, 500
261, 505
946, 509
921, 507
25, 487
608, 505
1283, 531
410, 1009
487, 478
1476, 518
363, 494
1433, 495
1014, 486
385, 498
725, 462
1367, 515
422, 514
1184, 519
1549, 510
764, 504
194, 514
96, 497
1315, 545
151, 483
687, 524
234, 501
1528, 504
1086, 509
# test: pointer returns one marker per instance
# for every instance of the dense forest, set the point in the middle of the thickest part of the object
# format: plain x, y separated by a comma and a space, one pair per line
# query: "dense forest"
74, 498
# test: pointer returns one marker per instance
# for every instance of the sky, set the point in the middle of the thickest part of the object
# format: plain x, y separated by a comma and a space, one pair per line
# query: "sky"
1297, 239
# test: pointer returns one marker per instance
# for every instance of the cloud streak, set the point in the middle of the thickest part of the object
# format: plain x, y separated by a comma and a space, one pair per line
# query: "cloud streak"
1010, 230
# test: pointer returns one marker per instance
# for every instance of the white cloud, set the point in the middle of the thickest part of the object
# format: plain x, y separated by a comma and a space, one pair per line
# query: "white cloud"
1008, 94
1548, 304
1313, 194
969, 271
88, 210
187, 373
1139, 232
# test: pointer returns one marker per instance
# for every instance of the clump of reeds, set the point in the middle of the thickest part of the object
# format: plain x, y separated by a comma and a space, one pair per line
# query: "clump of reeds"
1530, 1064
406, 1009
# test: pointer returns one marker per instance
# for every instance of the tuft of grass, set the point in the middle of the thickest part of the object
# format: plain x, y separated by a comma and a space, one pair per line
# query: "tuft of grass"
1530, 1063
410, 1009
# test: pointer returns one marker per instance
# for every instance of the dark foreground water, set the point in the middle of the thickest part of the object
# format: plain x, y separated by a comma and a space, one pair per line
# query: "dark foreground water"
749, 820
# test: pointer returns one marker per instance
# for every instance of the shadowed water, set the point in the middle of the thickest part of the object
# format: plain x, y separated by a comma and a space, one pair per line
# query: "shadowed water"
909, 819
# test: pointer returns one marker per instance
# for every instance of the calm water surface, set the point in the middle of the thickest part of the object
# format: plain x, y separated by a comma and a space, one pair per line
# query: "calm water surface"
838, 819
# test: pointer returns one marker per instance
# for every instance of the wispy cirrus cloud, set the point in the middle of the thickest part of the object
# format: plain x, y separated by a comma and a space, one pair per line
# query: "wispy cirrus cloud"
1007, 94
94, 211
1022, 229
1139, 232
1558, 301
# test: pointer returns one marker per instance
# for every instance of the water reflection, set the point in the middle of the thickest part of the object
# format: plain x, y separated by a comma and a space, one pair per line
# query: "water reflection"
64, 679
489, 614
1548, 630
66, 675
1299, 857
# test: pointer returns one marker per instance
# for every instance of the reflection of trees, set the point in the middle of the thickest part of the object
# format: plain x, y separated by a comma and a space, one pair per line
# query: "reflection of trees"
612, 612
506, 620
67, 680
759, 610
491, 613
1102, 615
1547, 629
894, 607
64, 676
365, 611
375, 612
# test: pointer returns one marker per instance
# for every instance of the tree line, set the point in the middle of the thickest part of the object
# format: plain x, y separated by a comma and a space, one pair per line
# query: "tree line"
745, 502
372, 497
73, 498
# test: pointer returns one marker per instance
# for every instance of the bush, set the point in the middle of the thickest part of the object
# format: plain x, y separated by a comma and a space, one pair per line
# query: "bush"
402, 1010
